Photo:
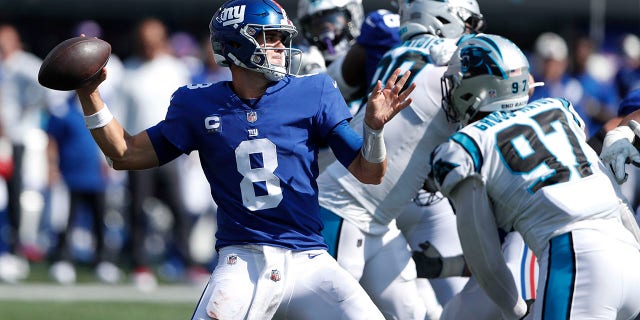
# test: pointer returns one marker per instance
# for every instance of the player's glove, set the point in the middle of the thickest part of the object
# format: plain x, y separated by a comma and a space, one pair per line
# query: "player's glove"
618, 150
529, 303
431, 264
430, 184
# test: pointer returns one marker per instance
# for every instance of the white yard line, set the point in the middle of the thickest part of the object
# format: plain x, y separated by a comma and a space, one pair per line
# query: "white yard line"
98, 292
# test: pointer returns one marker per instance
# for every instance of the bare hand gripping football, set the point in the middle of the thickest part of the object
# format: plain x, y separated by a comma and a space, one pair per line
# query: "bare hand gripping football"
74, 63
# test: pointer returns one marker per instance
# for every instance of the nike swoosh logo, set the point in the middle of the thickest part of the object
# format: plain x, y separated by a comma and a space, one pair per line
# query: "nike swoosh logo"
313, 255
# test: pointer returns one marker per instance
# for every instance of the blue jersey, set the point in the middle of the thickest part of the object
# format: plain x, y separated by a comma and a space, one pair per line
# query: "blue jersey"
80, 161
378, 34
260, 157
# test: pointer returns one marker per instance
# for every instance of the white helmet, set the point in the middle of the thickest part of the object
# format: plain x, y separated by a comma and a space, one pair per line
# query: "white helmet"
330, 25
443, 18
487, 73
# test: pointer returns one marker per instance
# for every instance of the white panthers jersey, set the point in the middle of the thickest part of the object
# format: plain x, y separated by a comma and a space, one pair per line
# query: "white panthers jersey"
541, 175
409, 137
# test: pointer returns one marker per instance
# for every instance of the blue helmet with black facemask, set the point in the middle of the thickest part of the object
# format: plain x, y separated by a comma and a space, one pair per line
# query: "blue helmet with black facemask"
237, 25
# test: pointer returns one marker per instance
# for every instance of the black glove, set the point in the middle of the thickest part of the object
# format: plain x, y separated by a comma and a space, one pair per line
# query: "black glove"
430, 184
529, 307
427, 266
431, 264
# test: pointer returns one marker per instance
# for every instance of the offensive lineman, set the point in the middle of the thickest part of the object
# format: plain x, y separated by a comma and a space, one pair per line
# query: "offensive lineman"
359, 219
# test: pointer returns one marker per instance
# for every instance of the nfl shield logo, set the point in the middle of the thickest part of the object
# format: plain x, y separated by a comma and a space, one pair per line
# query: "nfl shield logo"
232, 259
252, 116
275, 275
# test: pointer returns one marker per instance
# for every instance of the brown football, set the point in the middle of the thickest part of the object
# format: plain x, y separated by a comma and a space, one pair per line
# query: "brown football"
73, 63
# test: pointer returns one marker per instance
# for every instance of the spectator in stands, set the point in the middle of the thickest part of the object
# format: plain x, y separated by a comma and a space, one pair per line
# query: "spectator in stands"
74, 157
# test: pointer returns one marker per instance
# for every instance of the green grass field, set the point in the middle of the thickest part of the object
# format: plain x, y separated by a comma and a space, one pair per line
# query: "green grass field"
21, 310
39, 298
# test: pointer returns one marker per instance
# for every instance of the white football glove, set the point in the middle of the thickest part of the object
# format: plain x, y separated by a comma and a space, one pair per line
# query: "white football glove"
618, 150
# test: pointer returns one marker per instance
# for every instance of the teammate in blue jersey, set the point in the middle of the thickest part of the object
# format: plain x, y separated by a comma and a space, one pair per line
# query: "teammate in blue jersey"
526, 166
340, 30
257, 136
378, 34
355, 69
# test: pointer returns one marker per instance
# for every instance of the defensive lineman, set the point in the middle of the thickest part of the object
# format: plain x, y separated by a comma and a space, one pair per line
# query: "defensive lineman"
527, 167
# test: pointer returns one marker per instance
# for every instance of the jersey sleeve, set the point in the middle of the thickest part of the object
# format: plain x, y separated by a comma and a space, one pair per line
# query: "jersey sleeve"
176, 127
455, 160
333, 108
576, 117
481, 246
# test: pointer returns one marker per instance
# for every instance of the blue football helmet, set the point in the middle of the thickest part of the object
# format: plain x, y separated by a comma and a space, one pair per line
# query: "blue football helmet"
236, 26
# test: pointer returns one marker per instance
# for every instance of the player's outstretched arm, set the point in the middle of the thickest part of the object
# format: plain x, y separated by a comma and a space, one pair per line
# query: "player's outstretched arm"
126, 152
480, 242
618, 147
383, 104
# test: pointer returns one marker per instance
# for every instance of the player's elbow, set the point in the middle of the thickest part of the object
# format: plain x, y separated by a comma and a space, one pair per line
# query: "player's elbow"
118, 163
133, 162
119, 166
367, 172
370, 180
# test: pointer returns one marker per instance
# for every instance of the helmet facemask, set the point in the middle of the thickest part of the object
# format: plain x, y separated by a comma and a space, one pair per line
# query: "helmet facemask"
259, 58
445, 18
328, 29
474, 22
331, 25
460, 109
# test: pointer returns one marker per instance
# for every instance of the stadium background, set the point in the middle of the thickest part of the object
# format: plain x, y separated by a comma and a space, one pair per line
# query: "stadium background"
44, 23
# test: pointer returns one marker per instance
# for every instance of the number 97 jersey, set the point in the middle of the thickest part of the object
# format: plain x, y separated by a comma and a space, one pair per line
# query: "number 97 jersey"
539, 172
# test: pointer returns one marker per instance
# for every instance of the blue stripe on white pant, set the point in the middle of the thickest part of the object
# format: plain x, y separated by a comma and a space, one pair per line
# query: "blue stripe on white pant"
561, 276
331, 231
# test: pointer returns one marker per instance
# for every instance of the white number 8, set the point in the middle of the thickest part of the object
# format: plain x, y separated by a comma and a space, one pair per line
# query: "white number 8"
251, 175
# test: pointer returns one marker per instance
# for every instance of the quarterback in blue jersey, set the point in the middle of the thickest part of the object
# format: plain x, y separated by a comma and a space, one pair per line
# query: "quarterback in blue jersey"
258, 137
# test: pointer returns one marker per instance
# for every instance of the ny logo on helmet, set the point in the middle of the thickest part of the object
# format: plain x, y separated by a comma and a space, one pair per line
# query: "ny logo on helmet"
231, 15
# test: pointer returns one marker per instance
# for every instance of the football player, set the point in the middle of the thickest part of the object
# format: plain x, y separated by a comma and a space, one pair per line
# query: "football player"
527, 167
257, 136
341, 31
359, 219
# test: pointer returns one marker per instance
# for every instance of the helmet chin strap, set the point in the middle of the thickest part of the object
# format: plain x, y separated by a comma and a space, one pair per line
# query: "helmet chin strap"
275, 74
472, 111
272, 72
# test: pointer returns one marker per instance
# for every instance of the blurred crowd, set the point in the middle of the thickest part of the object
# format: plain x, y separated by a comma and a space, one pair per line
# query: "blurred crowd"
61, 204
